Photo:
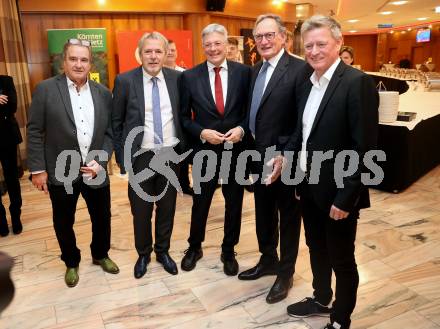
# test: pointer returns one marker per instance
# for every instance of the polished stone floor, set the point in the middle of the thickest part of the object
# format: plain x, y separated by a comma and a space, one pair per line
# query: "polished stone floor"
398, 253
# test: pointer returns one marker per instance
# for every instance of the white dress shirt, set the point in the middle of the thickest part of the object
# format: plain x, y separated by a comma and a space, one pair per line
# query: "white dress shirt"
179, 68
84, 114
168, 128
273, 62
315, 97
223, 77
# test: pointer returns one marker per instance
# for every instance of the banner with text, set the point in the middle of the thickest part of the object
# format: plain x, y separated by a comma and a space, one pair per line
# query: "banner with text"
98, 39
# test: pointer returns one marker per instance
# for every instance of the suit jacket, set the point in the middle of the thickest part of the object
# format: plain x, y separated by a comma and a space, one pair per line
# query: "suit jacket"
51, 127
277, 115
198, 105
9, 129
129, 108
347, 119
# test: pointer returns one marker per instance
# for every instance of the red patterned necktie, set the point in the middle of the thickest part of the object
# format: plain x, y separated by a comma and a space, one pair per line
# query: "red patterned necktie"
219, 91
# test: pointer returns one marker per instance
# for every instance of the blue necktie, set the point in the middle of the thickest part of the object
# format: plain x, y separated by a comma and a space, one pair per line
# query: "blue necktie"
157, 118
257, 95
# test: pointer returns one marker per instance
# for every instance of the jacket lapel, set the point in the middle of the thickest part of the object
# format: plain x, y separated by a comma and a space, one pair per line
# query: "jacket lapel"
65, 96
96, 108
231, 87
172, 92
206, 87
279, 71
334, 82
139, 90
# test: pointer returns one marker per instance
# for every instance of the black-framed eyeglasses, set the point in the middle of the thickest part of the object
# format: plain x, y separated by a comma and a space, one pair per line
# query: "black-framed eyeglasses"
269, 36
85, 43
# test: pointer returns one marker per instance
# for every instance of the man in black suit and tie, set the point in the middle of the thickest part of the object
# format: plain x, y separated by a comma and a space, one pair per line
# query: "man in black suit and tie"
10, 137
339, 107
148, 97
215, 92
69, 133
272, 119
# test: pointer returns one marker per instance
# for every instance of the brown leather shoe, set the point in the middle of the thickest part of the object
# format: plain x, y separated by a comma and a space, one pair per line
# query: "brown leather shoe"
107, 265
71, 277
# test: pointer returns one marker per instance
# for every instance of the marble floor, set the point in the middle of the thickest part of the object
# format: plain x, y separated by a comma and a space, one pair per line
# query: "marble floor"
398, 252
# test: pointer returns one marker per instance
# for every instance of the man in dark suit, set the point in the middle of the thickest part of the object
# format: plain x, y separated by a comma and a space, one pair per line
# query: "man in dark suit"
69, 143
148, 97
10, 137
272, 119
215, 92
339, 107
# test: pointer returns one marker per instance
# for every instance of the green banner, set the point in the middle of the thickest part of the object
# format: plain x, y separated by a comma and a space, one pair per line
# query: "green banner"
98, 39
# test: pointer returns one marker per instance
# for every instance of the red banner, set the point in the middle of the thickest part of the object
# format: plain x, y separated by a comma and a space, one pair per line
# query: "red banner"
127, 47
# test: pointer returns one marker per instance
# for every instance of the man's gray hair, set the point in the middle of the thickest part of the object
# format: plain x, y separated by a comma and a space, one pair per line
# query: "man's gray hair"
276, 18
152, 36
214, 27
319, 21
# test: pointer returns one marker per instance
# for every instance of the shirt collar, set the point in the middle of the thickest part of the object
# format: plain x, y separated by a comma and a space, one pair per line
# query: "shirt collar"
223, 65
149, 76
327, 76
274, 60
71, 84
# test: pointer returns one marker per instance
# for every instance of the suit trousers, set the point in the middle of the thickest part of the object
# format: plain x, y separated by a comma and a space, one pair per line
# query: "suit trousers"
142, 210
277, 216
64, 208
8, 158
331, 245
233, 195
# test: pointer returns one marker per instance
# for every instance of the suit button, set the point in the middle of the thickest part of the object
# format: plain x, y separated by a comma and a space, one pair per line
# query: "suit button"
74, 131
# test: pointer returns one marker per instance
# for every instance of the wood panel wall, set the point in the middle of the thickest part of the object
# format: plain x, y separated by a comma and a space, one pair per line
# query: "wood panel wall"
364, 50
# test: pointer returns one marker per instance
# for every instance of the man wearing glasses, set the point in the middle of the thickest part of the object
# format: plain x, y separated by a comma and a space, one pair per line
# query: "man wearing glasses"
69, 143
216, 92
272, 119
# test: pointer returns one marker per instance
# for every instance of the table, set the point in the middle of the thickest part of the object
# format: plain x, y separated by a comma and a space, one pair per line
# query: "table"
391, 84
412, 148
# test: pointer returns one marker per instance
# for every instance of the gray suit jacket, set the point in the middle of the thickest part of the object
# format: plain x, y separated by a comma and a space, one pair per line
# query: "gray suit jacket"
129, 108
51, 127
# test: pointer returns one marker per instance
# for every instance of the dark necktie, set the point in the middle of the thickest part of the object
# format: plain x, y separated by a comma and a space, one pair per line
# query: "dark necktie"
157, 118
257, 95
219, 91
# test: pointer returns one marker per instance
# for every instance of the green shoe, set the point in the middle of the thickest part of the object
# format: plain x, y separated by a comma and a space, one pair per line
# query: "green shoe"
107, 265
71, 278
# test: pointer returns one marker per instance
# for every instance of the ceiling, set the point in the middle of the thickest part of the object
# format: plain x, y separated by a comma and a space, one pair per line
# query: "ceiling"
368, 13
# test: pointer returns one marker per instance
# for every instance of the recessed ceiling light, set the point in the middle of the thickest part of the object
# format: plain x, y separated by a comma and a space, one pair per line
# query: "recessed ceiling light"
437, 10
403, 32
398, 3
352, 31
422, 18
386, 12
391, 31
353, 21
409, 29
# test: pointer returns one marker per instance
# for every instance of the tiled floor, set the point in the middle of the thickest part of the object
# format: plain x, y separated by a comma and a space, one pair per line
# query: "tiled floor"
398, 252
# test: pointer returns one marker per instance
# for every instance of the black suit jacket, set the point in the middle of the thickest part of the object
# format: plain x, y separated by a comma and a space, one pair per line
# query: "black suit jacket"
9, 129
198, 106
347, 119
277, 115
129, 108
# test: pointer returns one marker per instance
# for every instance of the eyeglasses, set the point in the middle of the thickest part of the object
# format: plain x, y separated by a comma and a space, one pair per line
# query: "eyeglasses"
320, 45
269, 36
85, 43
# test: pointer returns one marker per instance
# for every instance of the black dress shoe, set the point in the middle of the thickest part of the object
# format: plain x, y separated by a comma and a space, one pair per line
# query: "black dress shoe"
17, 227
258, 271
4, 229
279, 290
189, 261
140, 268
168, 263
230, 264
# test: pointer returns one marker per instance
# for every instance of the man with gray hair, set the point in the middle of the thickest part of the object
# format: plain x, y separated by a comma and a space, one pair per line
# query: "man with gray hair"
339, 112
148, 97
214, 97
272, 119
